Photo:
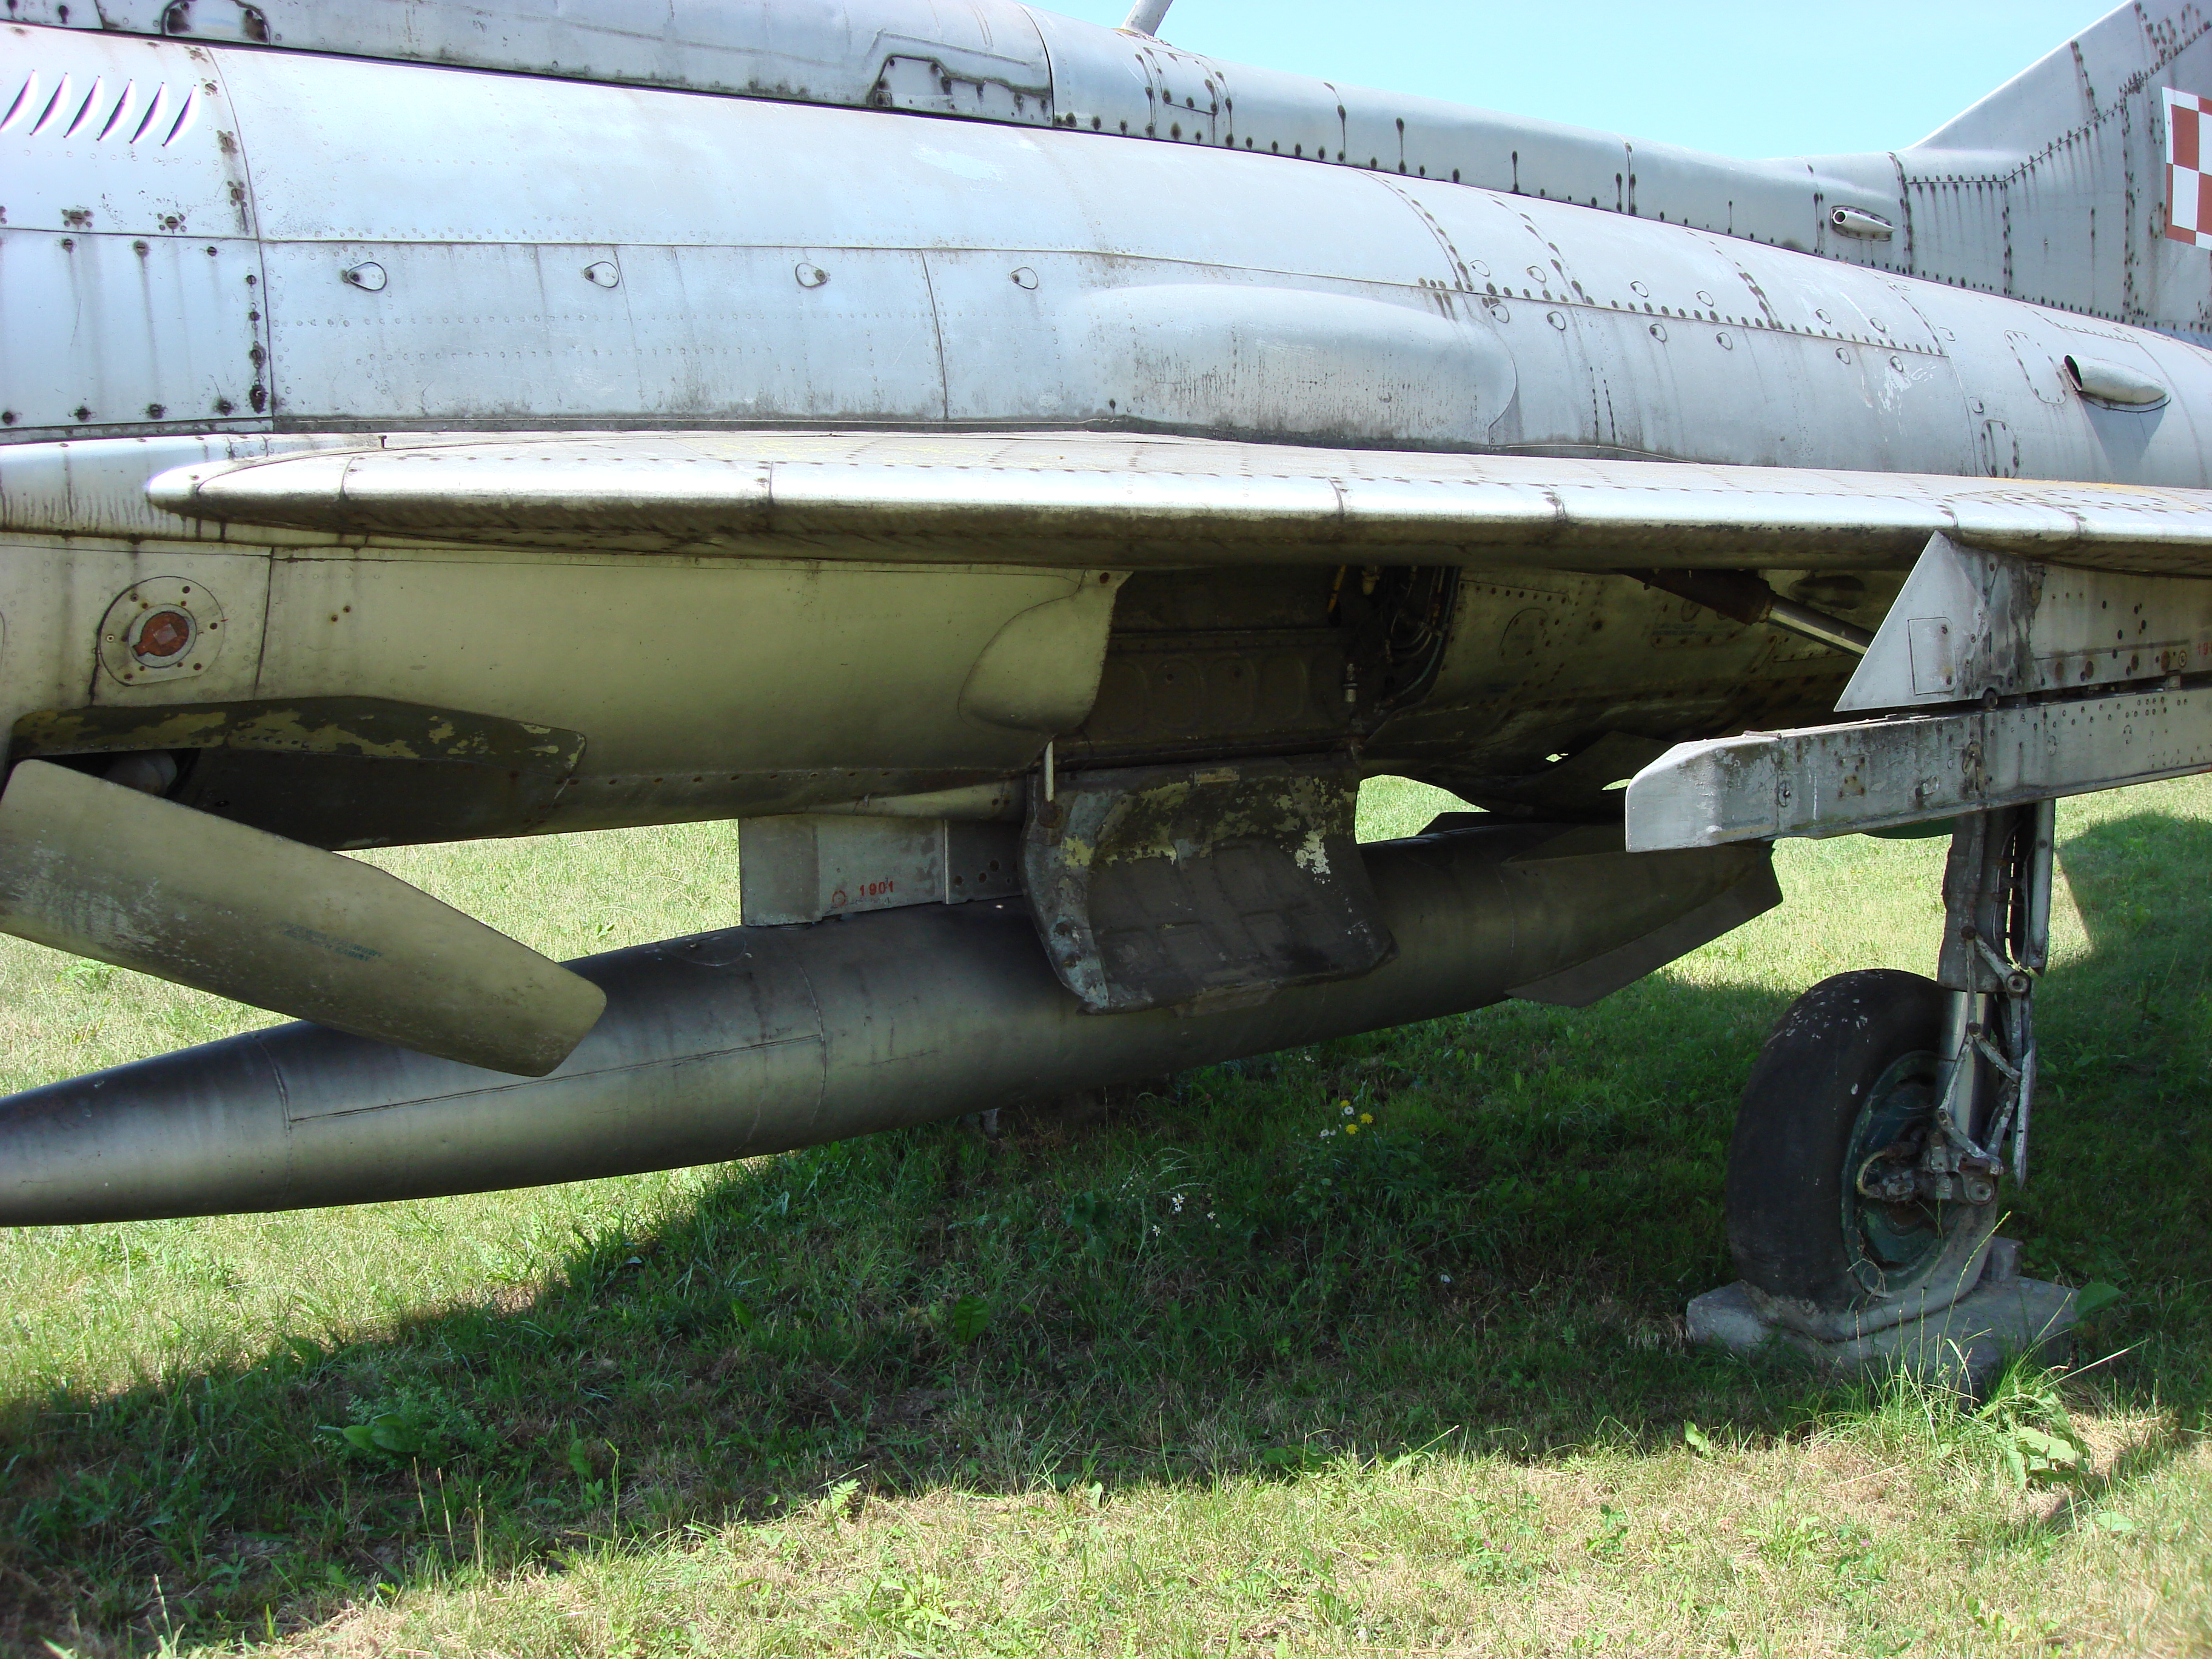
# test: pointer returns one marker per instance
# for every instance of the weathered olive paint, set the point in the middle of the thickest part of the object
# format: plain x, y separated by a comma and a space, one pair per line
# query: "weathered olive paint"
755, 1040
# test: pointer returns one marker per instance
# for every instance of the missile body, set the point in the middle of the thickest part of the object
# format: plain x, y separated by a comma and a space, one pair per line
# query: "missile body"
749, 1041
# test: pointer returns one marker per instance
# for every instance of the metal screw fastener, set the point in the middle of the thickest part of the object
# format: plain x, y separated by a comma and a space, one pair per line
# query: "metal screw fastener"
367, 275
602, 273
809, 276
1025, 277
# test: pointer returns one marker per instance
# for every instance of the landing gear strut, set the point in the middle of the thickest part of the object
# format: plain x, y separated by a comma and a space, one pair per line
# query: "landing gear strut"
1862, 1178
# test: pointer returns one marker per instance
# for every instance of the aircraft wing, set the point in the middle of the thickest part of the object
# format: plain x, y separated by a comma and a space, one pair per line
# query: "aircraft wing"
1088, 498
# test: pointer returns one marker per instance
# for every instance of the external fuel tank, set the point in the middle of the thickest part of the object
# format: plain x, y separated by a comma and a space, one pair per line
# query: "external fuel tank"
757, 1039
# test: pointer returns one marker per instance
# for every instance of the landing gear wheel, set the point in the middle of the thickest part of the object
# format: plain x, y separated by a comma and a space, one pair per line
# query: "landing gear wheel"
1849, 1074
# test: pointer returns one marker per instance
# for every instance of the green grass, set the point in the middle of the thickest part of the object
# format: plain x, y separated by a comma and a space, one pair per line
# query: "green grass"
1199, 1374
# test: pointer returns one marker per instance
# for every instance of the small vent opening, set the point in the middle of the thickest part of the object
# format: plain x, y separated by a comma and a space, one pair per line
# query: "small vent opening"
130, 115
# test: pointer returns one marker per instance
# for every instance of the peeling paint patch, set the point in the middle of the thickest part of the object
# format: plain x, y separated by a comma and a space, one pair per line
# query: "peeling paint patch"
1174, 887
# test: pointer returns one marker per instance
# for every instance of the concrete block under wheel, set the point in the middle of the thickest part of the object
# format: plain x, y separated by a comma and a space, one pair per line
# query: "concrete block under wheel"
1963, 1345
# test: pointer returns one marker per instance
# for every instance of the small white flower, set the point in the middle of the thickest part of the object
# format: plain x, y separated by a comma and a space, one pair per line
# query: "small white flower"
1443, 1278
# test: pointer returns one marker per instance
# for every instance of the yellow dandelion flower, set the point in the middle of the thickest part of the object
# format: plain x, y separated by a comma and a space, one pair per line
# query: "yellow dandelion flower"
1367, 1117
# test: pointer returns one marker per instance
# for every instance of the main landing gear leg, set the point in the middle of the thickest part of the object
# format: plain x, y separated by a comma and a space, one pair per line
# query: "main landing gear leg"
1861, 1191
1996, 938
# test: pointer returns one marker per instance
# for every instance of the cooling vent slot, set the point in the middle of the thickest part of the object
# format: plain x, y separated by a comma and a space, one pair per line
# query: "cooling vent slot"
132, 114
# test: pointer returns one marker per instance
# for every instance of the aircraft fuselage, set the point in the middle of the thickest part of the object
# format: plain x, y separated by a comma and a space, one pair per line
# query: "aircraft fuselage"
271, 248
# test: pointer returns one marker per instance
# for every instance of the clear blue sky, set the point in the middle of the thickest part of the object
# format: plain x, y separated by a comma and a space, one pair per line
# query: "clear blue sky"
1740, 78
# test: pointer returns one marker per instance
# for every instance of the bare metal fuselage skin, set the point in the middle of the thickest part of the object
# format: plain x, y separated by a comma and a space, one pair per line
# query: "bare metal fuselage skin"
298, 248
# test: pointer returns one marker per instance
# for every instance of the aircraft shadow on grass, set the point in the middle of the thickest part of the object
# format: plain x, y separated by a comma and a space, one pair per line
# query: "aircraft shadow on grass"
1203, 1279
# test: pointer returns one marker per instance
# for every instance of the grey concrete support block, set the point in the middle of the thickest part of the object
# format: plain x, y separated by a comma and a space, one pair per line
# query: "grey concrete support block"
1964, 1345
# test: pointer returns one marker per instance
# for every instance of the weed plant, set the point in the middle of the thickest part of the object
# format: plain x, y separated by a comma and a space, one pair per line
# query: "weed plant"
1374, 1346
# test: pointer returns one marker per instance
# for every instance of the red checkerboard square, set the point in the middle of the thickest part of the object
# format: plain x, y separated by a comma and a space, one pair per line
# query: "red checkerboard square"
2187, 184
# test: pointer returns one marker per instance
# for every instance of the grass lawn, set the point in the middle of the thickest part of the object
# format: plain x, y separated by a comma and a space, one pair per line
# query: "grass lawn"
1202, 1374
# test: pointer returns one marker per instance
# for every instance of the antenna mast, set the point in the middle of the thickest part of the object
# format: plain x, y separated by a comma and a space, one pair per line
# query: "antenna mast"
1144, 17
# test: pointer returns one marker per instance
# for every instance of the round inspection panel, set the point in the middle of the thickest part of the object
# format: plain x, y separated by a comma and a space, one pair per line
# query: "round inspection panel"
160, 629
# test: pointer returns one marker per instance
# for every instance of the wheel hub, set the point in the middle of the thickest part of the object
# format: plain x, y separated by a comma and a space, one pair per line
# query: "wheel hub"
1912, 1189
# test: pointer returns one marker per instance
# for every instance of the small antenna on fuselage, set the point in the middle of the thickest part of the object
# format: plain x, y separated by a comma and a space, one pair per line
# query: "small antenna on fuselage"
1144, 17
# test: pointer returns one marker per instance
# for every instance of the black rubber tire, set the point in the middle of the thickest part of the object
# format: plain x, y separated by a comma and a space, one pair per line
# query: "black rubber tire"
1785, 1168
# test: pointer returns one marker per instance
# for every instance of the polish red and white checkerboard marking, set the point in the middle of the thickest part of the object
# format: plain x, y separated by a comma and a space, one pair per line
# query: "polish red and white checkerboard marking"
2188, 182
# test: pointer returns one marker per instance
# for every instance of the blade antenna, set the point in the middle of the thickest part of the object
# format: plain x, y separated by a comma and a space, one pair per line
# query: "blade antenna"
1144, 17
